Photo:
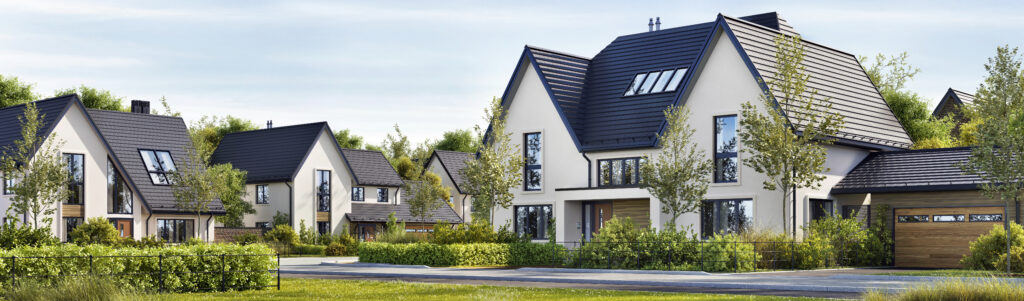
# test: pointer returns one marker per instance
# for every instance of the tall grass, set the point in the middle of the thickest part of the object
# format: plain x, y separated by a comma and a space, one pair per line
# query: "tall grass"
83, 289
957, 289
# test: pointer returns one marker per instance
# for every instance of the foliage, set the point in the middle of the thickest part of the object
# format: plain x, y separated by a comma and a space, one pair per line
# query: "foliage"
408, 162
193, 185
472, 233
459, 141
335, 249
679, 176
41, 173
350, 244
96, 230
14, 92
13, 235
69, 289
474, 254
394, 232
306, 249
348, 140
208, 131
955, 289
281, 218
986, 251
95, 98
428, 194
282, 234
891, 74
496, 171
230, 186
789, 152
247, 238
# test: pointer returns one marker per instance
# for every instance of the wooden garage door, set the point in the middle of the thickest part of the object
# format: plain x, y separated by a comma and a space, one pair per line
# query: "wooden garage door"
939, 237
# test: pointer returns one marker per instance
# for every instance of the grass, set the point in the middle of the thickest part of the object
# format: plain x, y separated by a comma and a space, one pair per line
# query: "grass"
319, 289
977, 289
950, 273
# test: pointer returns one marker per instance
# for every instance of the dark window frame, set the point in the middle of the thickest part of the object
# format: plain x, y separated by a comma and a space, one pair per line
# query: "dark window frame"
541, 231
68, 228
161, 173
323, 228
186, 224
530, 167
72, 184
263, 225
323, 196
361, 194
733, 222
630, 92
963, 218
831, 212
121, 188
622, 173
724, 155
7, 183
849, 211
913, 218
971, 218
383, 195
262, 194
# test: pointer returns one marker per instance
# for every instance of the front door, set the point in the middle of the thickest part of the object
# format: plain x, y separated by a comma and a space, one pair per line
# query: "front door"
123, 226
595, 214
367, 232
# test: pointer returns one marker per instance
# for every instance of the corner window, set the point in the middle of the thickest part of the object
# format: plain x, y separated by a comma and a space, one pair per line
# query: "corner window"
726, 162
820, 209
532, 221
619, 172
8, 186
725, 216
912, 219
358, 194
262, 194
158, 164
655, 82
382, 195
532, 161
323, 190
70, 223
263, 225
76, 178
986, 218
175, 230
119, 196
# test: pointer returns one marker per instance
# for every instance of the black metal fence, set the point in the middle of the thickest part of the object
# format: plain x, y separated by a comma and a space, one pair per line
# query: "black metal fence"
218, 273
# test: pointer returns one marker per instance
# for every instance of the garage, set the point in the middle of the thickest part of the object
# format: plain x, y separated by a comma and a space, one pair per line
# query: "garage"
939, 237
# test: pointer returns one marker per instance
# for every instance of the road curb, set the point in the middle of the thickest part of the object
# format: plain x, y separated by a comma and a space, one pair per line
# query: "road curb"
372, 265
649, 272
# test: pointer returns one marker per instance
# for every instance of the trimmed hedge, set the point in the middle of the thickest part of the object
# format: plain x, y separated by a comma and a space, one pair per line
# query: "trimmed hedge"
182, 271
476, 254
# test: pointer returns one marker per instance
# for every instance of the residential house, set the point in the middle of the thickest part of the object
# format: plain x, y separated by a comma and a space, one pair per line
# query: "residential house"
448, 165
368, 219
119, 164
951, 104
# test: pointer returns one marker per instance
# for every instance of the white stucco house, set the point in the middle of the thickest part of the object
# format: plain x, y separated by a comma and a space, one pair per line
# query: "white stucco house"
448, 165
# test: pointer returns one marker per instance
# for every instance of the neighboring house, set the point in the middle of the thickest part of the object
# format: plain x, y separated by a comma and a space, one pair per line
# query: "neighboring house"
448, 165
118, 163
952, 103
368, 219
584, 123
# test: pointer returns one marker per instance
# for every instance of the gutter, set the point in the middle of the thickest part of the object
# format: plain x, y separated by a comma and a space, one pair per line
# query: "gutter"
291, 192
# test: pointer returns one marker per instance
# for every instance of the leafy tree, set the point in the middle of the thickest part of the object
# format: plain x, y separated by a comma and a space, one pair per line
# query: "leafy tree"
789, 152
998, 157
496, 171
96, 230
208, 131
14, 92
41, 174
396, 145
193, 185
230, 186
458, 141
95, 98
890, 75
348, 140
680, 174
281, 219
428, 194
407, 161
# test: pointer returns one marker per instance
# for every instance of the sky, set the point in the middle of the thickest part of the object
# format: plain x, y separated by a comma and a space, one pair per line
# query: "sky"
428, 66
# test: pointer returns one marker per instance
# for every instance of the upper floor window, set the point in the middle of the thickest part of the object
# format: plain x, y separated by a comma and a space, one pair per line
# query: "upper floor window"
382, 195
358, 194
619, 172
159, 164
532, 158
262, 194
8, 185
76, 178
323, 190
726, 163
119, 196
656, 82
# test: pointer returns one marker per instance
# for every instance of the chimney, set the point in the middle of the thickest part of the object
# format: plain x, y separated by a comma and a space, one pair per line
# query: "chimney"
657, 24
270, 124
650, 25
140, 106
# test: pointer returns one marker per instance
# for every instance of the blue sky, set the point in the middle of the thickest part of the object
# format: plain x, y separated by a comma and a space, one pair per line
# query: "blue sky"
430, 67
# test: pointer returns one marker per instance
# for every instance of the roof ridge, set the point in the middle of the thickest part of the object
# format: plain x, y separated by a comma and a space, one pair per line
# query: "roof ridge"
133, 114
38, 101
361, 150
779, 31
451, 151
281, 127
558, 52
926, 150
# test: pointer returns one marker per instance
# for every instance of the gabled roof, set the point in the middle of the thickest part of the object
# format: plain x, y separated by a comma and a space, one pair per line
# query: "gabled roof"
371, 168
378, 213
910, 171
269, 155
52, 110
959, 98
127, 133
453, 163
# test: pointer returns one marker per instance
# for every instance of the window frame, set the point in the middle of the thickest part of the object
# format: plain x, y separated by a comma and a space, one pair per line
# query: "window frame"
71, 180
736, 206
542, 232
963, 218
362, 194
829, 213
67, 230
622, 172
724, 155
7, 184
321, 195
263, 225
323, 228
179, 238
916, 218
530, 167
971, 218
162, 172
632, 91
122, 190
383, 198
262, 197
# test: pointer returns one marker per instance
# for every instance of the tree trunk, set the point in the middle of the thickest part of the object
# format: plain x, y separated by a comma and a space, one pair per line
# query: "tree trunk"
1006, 225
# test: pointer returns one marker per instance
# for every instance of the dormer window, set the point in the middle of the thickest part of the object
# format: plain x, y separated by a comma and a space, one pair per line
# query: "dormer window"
656, 82
159, 164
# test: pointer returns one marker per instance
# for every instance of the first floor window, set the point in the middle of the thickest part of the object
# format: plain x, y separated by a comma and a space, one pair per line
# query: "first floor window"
382, 195
986, 217
119, 196
263, 225
8, 186
820, 209
70, 223
175, 230
725, 216
357, 194
532, 221
262, 195
76, 178
323, 227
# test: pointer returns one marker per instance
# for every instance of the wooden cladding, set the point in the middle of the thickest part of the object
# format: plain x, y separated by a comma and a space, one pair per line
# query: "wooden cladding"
941, 240
323, 216
68, 210
637, 210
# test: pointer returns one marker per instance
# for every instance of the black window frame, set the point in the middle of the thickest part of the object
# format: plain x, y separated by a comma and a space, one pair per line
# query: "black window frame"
186, 224
361, 194
963, 218
724, 155
382, 195
263, 225
262, 194
735, 223
631, 92
76, 188
323, 228
540, 229
69, 227
323, 194
7, 184
527, 168
637, 161
830, 212
913, 218
160, 172
117, 186
849, 211
971, 218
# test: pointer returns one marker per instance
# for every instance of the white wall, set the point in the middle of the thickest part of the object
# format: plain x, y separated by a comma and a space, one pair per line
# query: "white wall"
462, 203
324, 156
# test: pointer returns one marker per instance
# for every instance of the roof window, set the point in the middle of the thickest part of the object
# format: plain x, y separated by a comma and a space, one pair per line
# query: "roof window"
656, 82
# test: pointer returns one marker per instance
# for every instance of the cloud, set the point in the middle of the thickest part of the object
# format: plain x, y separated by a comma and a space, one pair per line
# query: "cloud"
39, 60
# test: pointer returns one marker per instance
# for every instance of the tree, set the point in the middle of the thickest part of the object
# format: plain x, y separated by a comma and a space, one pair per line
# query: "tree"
458, 141
428, 194
408, 162
680, 175
14, 92
41, 174
208, 131
95, 98
789, 151
496, 171
193, 185
230, 186
348, 140
998, 157
890, 75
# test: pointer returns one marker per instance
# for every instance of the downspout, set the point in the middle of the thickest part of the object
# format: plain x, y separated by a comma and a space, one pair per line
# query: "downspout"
291, 217
208, 228
590, 174
147, 222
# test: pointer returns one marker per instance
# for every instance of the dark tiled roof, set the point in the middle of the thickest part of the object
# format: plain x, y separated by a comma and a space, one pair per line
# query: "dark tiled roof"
453, 163
964, 97
959, 98
51, 109
269, 155
564, 75
370, 212
371, 168
127, 133
912, 170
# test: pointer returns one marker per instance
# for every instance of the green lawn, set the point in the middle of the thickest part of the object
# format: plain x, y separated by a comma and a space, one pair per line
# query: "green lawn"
950, 273
317, 289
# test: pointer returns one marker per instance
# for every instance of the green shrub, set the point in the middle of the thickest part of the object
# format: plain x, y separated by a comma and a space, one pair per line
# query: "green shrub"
957, 289
350, 244
282, 234
985, 252
96, 230
73, 289
335, 249
247, 238
304, 249
280, 219
622, 245
12, 236
477, 254
1016, 260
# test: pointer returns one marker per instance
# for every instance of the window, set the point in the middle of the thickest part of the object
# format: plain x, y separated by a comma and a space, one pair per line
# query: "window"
382, 195
532, 161
357, 194
860, 212
986, 218
912, 218
8, 186
655, 82
948, 218
263, 225
262, 194
532, 221
725, 216
323, 227
76, 180
175, 230
159, 164
725, 149
619, 172
119, 196
323, 190
70, 223
820, 209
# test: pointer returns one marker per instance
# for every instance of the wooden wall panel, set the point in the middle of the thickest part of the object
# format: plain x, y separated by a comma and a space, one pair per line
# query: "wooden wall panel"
637, 210
72, 210
938, 244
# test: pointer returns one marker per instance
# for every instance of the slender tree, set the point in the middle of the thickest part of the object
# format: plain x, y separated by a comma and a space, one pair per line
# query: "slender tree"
427, 195
230, 186
679, 176
192, 185
497, 170
40, 173
787, 144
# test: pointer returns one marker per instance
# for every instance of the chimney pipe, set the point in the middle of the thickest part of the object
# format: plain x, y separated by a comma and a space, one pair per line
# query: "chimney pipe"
140, 106
270, 124
650, 25
657, 24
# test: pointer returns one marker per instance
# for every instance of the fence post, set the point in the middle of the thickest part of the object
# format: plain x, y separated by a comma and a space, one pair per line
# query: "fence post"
755, 256
14, 275
91, 270
278, 271
792, 255
160, 264
736, 256
223, 285
701, 246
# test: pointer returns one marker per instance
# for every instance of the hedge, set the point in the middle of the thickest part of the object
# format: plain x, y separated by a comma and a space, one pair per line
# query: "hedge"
139, 269
475, 254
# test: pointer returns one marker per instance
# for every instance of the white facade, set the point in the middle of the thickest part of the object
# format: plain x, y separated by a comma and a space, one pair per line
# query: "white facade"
461, 203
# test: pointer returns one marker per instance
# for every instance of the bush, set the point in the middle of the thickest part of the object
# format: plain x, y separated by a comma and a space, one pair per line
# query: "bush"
96, 230
350, 244
12, 236
304, 249
1016, 260
479, 232
987, 250
282, 234
477, 254
89, 289
622, 245
335, 249
958, 289
247, 238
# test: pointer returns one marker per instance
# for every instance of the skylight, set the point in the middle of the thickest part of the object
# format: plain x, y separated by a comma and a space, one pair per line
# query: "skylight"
656, 82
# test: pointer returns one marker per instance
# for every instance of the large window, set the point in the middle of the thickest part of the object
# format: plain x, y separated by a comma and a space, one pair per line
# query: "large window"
175, 230
159, 164
8, 185
532, 158
262, 194
725, 149
119, 196
532, 221
323, 190
76, 178
725, 216
323, 227
619, 172
820, 209
655, 82
382, 195
70, 223
358, 194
